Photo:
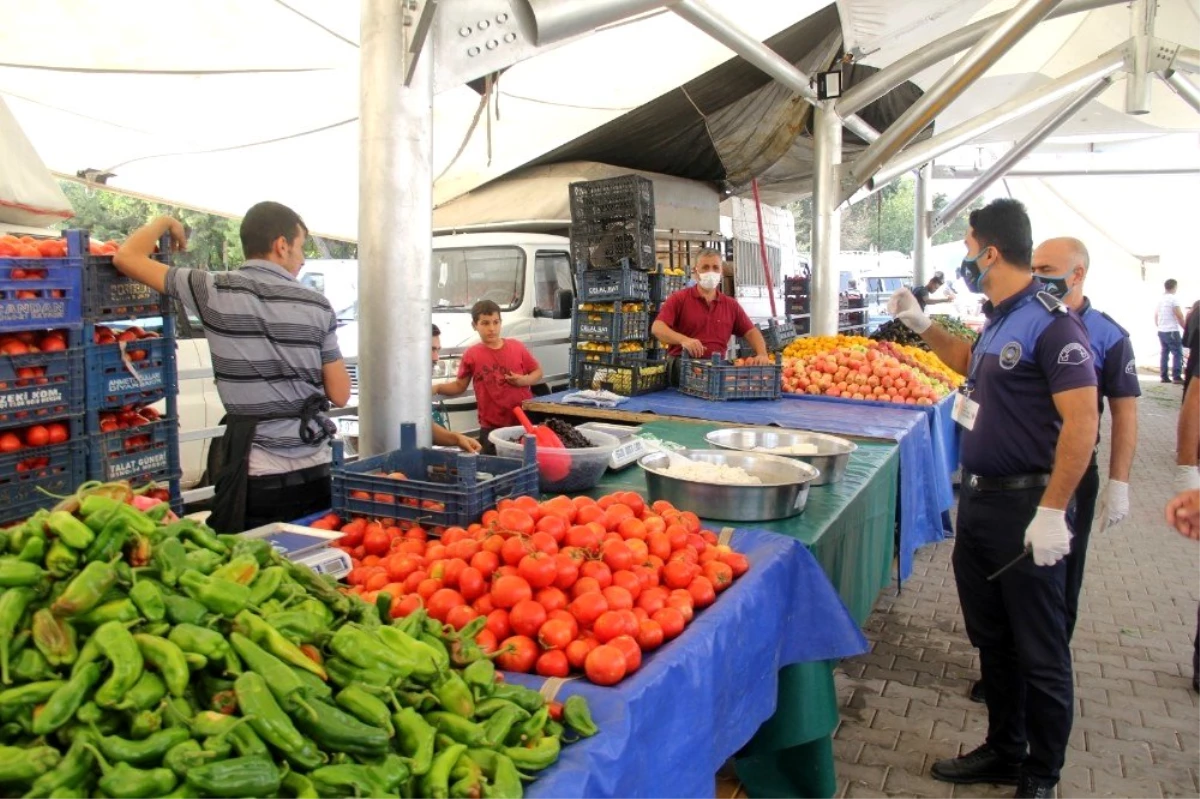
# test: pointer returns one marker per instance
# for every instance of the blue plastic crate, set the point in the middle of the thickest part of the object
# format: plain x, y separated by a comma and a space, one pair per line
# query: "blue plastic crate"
109, 295
57, 389
49, 299
443, 488
130, 373
611, 285
608, 326
137, 454
720, 380
26, 476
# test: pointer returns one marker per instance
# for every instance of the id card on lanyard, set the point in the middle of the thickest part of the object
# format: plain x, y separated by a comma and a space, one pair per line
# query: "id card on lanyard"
966, 410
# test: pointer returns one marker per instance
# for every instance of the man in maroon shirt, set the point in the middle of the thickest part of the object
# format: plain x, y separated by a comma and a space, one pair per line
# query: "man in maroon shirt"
700, 319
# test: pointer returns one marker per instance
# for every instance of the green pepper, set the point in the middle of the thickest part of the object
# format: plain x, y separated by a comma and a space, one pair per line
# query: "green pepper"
453, 694
344, 673
61, 560
282, 681
145, 723
144, 752
578, 716
338, 731
71, 770
480, 674
423, 659
520, 696
149, 600
542, 755
531, 729
170, 559
54, 638
298, 625
468, 779
222, 597
70, 530
33, 693
147, 692
348, 779
365, 651
85, 591
119, 646
205, 537
366, 707
269, 721
391, 772
245, 740
91, 714
109, 540
504, 779
13, 602
185, 756
436, 782
203, 561
34, 550
15, 573
195, 662
177, 711
258, 548
199, 641
313, 685
123, 781
96, 510
415, 737
492, 705
30, 666
457, 728
266, 636
22, 765
167, 659
239, 777
265, 584
298, 786
184, 610
319, 586
119, 610
241, 570
500, 724
441, 655
316, 608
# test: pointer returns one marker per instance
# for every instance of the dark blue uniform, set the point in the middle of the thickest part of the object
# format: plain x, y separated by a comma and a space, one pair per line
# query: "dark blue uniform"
1030, 349
1116, 374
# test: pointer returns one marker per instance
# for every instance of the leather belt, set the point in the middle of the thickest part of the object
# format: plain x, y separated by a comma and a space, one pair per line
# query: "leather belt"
1015, 482
290, 479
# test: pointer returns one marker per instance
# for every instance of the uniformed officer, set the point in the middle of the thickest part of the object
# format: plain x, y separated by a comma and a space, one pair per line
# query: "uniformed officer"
1029, 415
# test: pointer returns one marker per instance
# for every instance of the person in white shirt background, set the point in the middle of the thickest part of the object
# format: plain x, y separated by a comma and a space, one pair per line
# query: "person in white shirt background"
1169, 318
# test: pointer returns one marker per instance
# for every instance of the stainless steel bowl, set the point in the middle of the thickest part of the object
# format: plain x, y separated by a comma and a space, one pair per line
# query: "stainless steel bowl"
783, 492
832, 454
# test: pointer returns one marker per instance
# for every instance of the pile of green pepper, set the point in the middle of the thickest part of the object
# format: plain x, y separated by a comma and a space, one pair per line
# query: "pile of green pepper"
141, 657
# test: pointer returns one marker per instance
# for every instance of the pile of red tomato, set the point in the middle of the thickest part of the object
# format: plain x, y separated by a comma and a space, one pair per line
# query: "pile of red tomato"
29, 247
569, 584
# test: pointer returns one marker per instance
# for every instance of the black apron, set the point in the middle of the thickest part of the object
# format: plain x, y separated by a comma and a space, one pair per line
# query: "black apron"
229, 460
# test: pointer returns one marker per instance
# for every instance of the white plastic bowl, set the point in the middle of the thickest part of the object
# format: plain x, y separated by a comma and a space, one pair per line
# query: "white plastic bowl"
587, 464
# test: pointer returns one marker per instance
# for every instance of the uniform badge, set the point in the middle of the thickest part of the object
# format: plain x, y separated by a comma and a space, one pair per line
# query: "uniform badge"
1010, 356
1131, 367
1074, 354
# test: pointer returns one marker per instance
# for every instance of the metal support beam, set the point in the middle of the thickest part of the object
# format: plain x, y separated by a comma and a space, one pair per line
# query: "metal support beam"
1019, 150
1075, 80
923, 202
1187, 59
1183, 87
960, 173
395, 231
1137, 85
556, 20
755, 52
859, 96
946, 90
827, 219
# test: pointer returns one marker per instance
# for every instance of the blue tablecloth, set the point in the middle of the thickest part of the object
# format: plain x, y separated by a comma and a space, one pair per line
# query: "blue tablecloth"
925, 481
666, 730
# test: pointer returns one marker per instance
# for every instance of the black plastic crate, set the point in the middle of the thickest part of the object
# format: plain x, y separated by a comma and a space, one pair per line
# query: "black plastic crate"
109, 295
663, 285
778, 333
28, 474
130, 373
43, 292
629, 380
720, 380
613, 199
440, 489
601, 352
606, 249
612, 325
613, 285
137, 454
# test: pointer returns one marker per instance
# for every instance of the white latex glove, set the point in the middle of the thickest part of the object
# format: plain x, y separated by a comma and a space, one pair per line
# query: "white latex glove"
1048, 536
1114, 505
1187, 478
904, 306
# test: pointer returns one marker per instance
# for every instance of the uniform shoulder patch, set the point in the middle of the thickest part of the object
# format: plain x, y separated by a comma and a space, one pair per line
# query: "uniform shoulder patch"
1131, 367
1074, 354
1051, 303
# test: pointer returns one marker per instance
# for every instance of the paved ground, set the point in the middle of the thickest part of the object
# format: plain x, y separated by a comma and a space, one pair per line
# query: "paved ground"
1137, 726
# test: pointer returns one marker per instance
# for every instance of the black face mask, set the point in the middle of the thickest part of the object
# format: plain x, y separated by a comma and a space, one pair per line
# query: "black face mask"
1054, 286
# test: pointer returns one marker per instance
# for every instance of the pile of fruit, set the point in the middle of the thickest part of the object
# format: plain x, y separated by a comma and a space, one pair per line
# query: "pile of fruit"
561, 586
32, 342
858, 368
595, 348
38, 435
895, 332
612, 307
106, 335
392, 499
622, 379
29, 247
146, 657
127, 418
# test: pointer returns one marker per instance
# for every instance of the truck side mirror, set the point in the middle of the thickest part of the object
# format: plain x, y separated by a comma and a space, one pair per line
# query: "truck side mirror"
564, 303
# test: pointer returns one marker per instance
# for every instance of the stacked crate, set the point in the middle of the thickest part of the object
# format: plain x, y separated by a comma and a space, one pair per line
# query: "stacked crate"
42, 446
130, 373
613, 254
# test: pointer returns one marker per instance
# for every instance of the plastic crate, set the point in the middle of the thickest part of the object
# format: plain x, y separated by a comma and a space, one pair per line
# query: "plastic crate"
443, 488
628, 380
130, 373
109, 295
23, 485
716, 379
137, 454
613, 285
620, 325
613, 199
57, 391
607, 248
49, 300
663, 286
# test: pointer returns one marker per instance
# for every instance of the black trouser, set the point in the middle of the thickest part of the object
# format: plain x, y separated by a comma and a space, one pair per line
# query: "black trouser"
1018, 623
485, 441
287, 497
1080, 519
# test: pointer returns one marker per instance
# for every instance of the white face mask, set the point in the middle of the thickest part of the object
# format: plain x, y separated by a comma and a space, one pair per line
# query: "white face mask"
709, 280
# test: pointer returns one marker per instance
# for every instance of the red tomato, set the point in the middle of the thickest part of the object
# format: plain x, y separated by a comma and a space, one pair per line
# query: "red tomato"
659, 545
684, 604
486, 640
442, 601
720, 574
630, 621
555, 634
553, 525
37, 436
514, 549
605, 665
598, 571
568, 571
735, 561
428, 588
577, 651
523, 654
527, 617
630, 649
650, 635
678, 574
583, 537
497, 622
406, 606
508, 591
565, 616
551, 599
538, 569
484, 605
471, 583
586, 608
652, 600
618, 556
486, 562
412, 583
608, 626
702, 591
375, 540
629, 581
58, 434
618, 598
585, 585
516, 520
543, 542
553, 663
460, 616
454, 568
647, 576
671, 620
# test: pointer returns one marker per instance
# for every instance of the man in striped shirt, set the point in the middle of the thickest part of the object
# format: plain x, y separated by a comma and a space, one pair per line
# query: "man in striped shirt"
276, 362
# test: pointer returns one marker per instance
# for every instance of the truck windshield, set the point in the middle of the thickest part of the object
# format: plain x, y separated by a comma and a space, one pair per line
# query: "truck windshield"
462, 277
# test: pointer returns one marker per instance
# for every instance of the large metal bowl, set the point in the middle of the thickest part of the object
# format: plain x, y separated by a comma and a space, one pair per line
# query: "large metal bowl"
783, 493
832, 454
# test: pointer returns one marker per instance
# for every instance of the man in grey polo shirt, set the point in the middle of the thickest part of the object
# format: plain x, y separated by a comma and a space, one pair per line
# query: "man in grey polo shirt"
276, 362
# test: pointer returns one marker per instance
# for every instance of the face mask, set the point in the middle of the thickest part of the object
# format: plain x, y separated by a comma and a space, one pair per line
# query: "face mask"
1054, 286
972, 275
709, 280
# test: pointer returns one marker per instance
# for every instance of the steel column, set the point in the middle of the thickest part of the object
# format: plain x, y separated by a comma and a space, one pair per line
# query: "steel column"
1018, 151
1183, 87
1137, 85
556, 20
949, 87
956, 173
1187, 59
395, 231
923, 206
827, 219
859, 96
1075, 80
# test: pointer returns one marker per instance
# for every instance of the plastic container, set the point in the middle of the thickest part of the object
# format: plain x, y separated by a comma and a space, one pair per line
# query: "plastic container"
613, 199
137, 454
26, 476
613, 285
608, 326
628, 380
49, 299
719, 380
130, 373
587, 465
57, 390
109, 295
440, 489
606, 248
663, 285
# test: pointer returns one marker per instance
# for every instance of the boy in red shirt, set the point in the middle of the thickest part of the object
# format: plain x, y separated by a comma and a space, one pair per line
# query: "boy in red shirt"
503, 371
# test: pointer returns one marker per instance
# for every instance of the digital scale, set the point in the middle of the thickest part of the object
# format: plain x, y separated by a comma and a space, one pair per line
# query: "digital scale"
631, 447
307, 546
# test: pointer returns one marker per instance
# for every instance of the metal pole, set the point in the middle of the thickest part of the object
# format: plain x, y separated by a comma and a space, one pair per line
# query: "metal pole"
1019, 150
1187, 59
1137, 85
1017, 107
395, 231
556, 20
949, 87
923, 202
859, 96
955, 173
762, 248
827, 219
1183, 87
755, 52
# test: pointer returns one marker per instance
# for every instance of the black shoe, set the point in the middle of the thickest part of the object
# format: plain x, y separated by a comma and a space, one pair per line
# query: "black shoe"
976, 693
1179, 381
983, 765
1164, 380
1032, 788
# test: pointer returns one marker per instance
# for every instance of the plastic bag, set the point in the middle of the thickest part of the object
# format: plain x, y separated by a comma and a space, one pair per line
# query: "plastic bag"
29, 194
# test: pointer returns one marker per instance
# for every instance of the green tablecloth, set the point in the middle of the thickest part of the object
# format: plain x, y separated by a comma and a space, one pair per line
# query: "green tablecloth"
849, 528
